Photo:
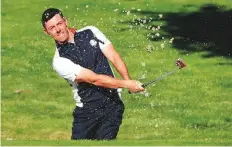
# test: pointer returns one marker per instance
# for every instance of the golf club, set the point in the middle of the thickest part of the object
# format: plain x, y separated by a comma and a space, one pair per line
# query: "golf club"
180, 65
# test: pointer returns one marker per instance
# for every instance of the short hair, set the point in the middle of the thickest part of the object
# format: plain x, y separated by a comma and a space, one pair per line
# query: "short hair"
48, 14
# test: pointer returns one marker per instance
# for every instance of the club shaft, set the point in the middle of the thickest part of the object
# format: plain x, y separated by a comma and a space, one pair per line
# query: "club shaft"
159, 78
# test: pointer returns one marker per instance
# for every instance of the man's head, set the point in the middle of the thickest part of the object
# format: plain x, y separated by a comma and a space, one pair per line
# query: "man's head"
55, 24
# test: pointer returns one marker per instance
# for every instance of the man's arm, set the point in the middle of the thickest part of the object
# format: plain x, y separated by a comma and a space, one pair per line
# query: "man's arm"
88, 76
75, 73
116, 60
109, 51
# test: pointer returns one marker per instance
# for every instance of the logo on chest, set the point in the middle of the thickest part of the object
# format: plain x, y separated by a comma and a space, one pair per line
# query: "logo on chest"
93, 42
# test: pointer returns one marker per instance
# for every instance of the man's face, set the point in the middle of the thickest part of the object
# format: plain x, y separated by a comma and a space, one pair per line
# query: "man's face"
57, 28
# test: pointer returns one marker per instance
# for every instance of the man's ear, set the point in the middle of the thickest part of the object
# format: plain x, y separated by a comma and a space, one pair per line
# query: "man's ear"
66, 21
46, 32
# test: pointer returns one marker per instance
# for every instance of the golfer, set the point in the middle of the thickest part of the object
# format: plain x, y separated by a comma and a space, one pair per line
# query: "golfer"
81, 57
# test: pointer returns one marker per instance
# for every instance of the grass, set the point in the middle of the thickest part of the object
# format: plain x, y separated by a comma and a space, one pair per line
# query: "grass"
191, 107
162, 142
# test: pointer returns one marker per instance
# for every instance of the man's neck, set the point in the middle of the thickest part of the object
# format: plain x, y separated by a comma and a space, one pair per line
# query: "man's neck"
71, 36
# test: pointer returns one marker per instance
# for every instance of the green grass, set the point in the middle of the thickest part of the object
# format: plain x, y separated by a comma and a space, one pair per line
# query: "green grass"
162, 142
191, 107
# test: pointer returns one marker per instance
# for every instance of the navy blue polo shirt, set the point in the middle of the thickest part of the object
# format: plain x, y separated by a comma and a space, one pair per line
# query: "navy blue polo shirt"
85, 52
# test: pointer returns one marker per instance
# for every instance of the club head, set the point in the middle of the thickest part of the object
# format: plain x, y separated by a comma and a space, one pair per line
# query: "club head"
180, 63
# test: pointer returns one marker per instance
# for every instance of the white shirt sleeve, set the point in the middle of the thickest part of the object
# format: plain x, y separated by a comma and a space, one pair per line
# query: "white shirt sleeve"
66, 68
56, 53
99, 35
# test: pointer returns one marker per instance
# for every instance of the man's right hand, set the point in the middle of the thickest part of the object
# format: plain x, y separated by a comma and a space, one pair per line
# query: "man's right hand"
134, 86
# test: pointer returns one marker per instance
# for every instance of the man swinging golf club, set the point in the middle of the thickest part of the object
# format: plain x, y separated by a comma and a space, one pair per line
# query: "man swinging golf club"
81, 57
